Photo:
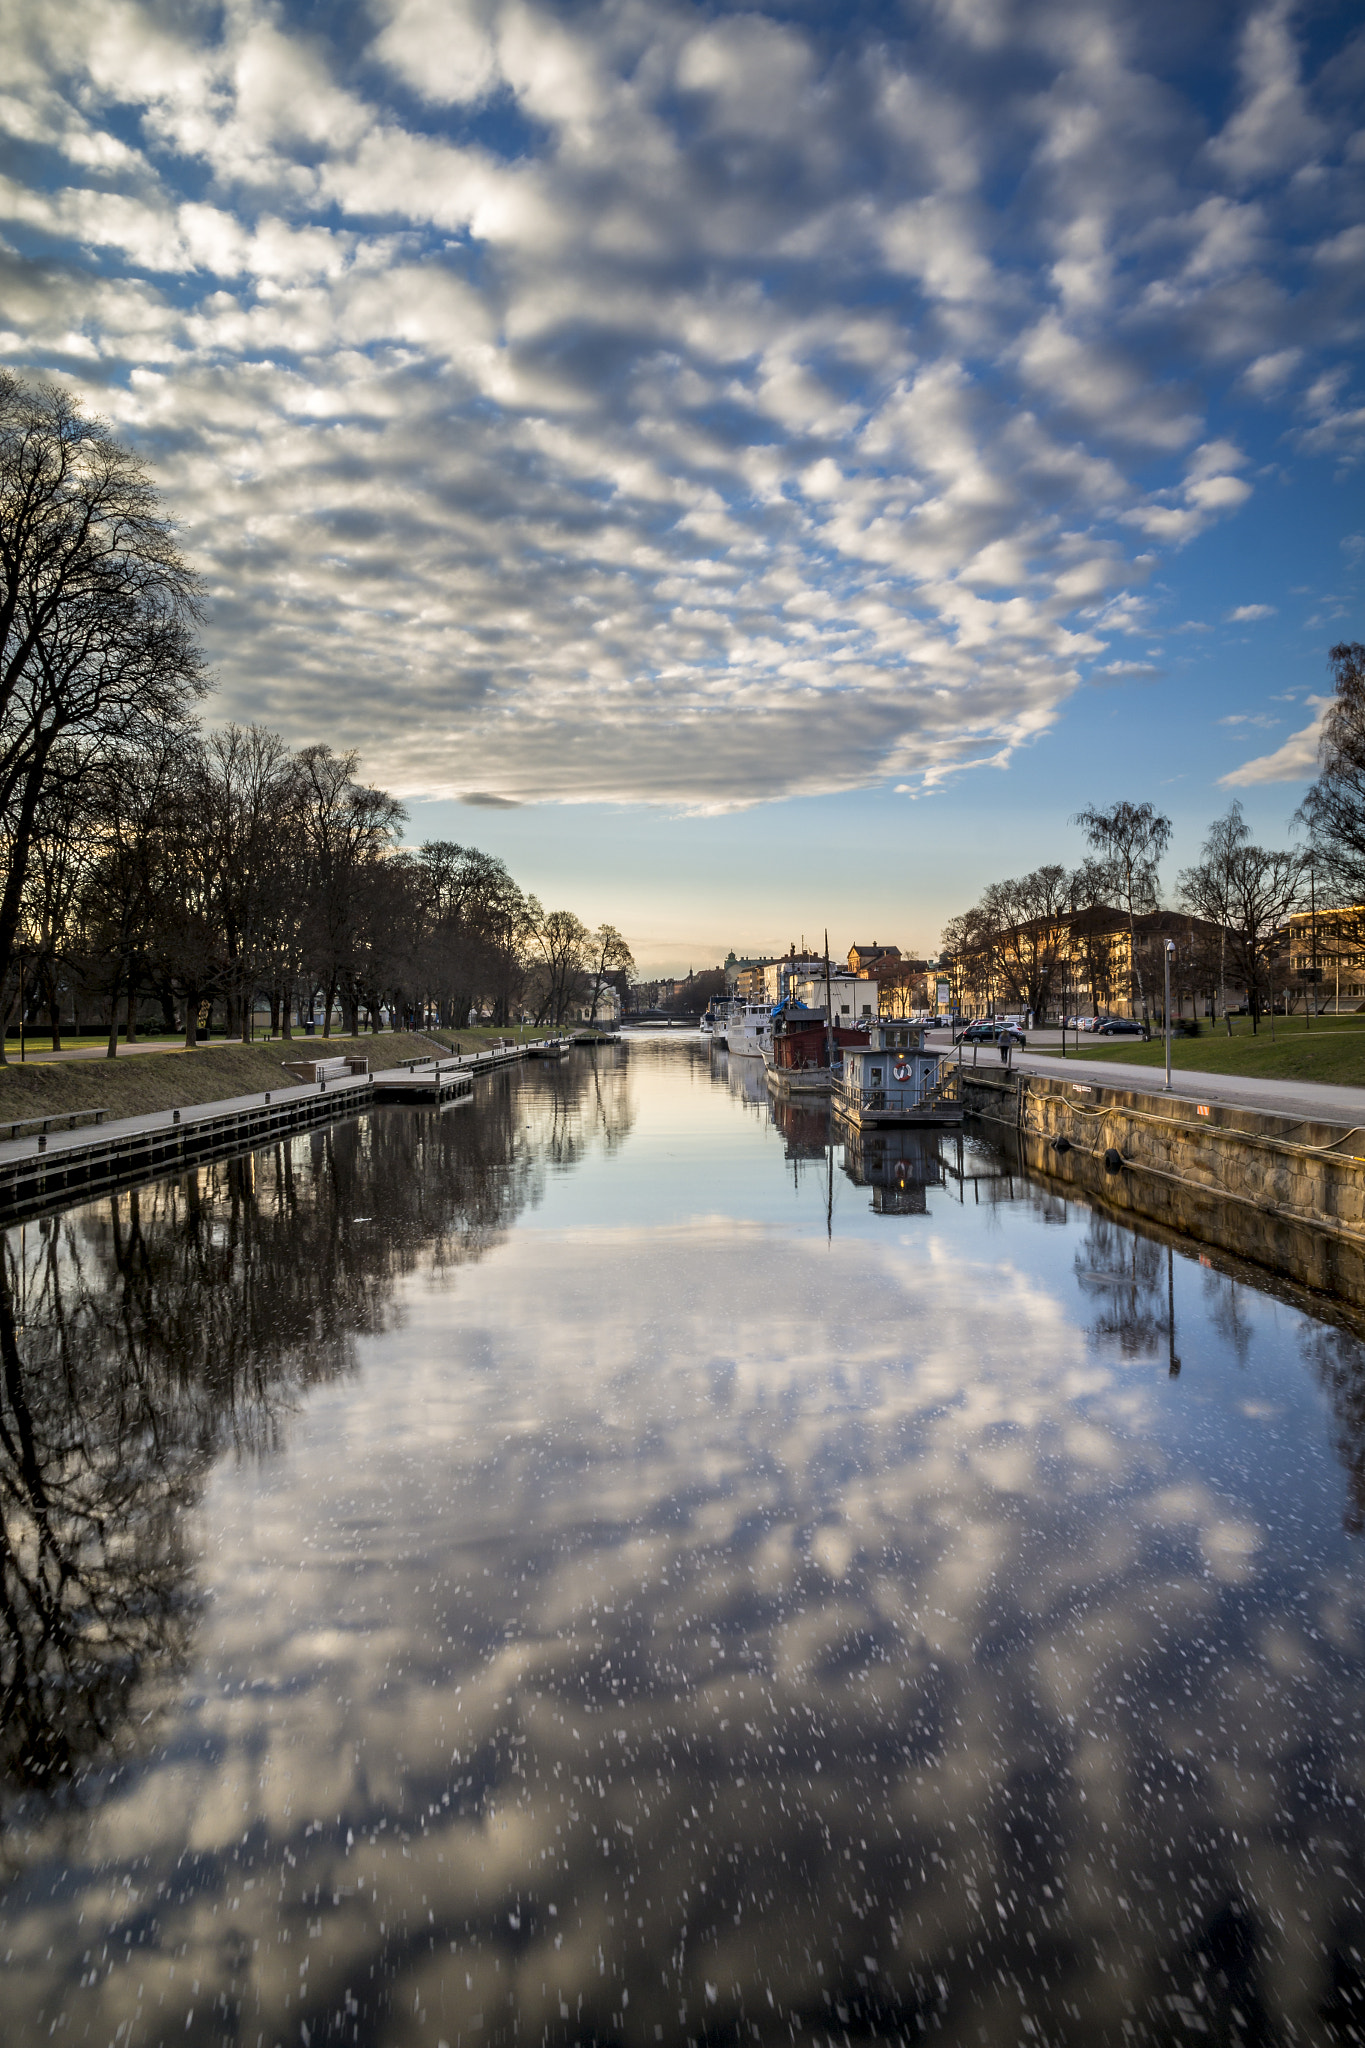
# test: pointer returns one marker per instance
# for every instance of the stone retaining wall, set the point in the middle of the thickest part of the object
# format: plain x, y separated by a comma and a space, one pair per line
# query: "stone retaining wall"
1287, 1194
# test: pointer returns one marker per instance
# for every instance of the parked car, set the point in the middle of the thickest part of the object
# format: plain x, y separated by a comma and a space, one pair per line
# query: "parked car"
1119, 1027
988, 1031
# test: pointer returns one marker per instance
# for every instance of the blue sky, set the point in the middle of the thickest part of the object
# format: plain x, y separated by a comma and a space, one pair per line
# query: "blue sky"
752, 468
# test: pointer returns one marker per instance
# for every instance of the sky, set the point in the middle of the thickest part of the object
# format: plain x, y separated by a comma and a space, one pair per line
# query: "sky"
754, 469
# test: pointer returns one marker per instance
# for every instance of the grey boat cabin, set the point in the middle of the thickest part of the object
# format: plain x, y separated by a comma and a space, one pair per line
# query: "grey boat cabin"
896, 1079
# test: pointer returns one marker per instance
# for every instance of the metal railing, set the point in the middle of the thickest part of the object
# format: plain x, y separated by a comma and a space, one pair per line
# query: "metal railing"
923, 1091
948, 1087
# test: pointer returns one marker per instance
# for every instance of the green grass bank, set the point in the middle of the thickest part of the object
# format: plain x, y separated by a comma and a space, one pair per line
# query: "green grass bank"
141, 1084
1332, 1050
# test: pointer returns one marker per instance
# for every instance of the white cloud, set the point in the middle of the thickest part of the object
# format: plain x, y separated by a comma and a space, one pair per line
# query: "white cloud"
1269, 374
1295, 761
1338, 424
1274, 129
672, 403
443, 50
1245, 612
1209, 488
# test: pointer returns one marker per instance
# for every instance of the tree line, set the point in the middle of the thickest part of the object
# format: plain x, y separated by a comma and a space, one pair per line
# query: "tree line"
148, 861
1036, 938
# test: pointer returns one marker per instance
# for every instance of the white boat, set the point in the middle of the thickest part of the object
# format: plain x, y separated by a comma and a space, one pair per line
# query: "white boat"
749, 1030
714, 1025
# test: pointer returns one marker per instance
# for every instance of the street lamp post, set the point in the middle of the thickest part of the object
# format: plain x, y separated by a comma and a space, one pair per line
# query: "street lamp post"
1170, 948
1313, 957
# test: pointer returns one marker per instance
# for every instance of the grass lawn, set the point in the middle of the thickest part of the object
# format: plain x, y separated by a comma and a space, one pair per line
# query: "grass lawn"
179, 1080
1332, 1050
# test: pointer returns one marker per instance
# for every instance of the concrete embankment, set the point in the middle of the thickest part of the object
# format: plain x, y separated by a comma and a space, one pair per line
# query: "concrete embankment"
1285, 1192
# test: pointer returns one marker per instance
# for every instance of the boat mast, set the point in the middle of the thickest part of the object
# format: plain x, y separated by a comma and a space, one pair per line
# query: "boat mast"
829, 1010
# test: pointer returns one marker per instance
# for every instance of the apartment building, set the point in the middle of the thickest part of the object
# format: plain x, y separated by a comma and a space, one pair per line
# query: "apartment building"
1084, 963
1333, 942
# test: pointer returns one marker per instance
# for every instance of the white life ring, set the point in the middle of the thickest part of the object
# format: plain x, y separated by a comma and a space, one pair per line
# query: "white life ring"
900, 1072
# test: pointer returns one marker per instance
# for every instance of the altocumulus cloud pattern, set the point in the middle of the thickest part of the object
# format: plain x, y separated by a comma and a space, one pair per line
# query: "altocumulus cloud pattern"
681, 403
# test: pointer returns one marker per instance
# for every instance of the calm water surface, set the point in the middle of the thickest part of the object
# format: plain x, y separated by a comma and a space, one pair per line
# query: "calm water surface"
601, 1567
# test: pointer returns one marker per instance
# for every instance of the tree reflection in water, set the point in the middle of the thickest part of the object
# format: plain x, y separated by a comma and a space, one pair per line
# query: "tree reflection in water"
692, 1626
1124, 1274
144, 1336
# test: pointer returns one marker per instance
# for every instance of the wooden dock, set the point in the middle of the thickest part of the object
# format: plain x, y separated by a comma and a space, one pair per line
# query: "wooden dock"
73, 1164
41, 1174
430, 1087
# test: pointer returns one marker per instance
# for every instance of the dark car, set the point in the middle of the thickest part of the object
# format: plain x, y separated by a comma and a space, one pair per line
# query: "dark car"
1119, 1027
988, 1032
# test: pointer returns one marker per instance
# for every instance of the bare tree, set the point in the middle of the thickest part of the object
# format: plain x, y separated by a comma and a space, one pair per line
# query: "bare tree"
347, 826
1029, 915
1130, 841
247, 805
971, 956
1209, 889
1250, 892
560, 940
188, 946
97, 608
133, 888
610, 958
474, 942
63, 842
1334, 809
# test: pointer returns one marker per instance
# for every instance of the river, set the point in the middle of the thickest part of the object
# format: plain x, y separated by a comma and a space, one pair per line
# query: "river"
604, 1566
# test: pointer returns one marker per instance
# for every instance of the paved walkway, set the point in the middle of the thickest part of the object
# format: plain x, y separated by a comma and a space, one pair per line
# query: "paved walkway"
43, 1055
1320, 1100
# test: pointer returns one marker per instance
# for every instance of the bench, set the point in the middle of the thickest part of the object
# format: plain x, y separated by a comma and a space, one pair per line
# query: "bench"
334, 1068
60, 1116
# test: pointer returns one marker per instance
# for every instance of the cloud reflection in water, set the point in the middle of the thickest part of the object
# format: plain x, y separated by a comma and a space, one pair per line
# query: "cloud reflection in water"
692, 1630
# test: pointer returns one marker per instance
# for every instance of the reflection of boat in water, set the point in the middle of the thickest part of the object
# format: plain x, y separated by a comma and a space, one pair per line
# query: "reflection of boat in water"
804, 1124
899, 1165
741, 1077
894, 1078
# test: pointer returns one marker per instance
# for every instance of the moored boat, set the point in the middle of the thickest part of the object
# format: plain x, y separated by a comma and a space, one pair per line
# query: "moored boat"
895, 1078
804, 1055
749, 1029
